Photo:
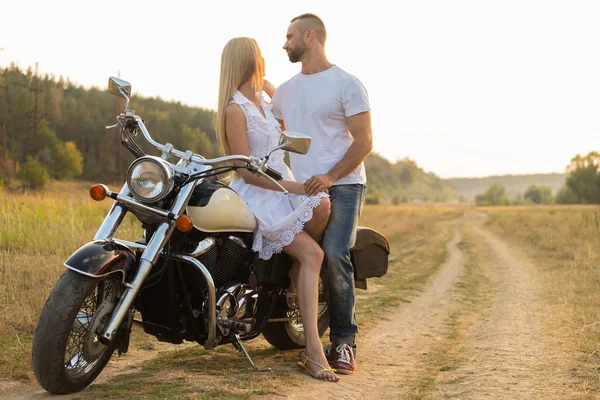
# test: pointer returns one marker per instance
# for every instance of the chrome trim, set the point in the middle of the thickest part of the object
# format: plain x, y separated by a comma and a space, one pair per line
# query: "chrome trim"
238, 241
212, 317
97, 276
252, 163
212, 307
125, 199
151, 253
131, 245
147, 261
204, 246
157, 242
113, 219
167, 169
182, 200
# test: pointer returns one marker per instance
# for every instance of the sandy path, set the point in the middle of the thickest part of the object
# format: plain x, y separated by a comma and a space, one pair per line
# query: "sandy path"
507, 353
388, 355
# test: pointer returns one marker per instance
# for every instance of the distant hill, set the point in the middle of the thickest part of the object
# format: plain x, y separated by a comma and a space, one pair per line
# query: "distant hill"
405, 181
514, 184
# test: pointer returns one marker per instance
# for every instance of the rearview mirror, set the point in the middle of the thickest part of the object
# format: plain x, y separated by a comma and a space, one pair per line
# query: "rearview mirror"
294, 142
114, 84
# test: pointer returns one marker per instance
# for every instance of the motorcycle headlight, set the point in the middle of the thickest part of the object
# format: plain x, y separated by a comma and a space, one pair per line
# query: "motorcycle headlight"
150, 179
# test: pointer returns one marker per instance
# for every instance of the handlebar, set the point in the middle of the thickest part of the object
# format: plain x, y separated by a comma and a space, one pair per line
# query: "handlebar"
255, 165
273, 174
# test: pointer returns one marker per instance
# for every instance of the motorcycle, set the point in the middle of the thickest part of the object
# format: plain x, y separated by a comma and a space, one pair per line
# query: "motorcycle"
191, 277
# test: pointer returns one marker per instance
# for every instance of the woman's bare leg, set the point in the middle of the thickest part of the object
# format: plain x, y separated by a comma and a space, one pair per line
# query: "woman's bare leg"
310, 257
315, 228
317, 224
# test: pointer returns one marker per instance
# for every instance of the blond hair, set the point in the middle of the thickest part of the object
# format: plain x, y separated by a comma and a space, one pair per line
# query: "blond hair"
241, 61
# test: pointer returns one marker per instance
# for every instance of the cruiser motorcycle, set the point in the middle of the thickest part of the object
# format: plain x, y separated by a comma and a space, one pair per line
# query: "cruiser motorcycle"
191, 277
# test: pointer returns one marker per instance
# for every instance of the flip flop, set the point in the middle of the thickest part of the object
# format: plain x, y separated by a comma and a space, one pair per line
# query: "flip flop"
319, 374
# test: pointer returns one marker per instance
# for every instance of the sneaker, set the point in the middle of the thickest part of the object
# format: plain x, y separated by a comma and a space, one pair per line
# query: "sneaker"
341, 358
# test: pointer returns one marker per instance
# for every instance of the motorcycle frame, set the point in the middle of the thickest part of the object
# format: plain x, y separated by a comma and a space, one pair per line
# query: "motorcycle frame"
154, 247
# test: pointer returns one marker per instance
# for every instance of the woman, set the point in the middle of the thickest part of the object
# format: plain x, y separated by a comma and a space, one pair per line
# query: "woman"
290, 223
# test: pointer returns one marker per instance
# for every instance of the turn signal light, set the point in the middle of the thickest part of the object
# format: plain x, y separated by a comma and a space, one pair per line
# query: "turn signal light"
98, 192
184, 223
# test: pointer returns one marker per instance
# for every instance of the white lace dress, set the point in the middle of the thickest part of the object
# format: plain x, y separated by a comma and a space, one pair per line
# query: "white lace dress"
280, 217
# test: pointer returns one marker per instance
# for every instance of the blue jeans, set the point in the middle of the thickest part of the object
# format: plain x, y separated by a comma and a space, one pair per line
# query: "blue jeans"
339, 237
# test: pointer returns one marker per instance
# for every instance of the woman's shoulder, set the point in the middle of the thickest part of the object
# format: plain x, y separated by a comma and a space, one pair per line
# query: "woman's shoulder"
234, 111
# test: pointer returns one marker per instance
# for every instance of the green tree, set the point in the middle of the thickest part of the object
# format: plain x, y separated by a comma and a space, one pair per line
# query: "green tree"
374, 198
566, 196
539, 194
33, 174
71, 163
583, 179
493, 196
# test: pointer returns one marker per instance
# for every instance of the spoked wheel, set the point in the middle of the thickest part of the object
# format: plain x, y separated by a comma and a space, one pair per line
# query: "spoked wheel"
286, 332
67, 355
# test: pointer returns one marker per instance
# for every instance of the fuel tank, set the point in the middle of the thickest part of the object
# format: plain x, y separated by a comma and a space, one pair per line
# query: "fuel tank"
214, 207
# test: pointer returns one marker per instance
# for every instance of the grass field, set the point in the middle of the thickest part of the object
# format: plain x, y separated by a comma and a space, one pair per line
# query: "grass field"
38, 231
565, 244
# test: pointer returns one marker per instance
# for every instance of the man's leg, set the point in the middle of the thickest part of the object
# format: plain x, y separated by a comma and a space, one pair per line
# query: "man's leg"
338, 239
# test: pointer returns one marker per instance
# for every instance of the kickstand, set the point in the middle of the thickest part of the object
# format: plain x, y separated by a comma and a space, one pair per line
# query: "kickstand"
237, 343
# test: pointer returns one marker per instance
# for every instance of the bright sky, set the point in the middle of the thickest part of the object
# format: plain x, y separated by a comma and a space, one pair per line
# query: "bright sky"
464, 88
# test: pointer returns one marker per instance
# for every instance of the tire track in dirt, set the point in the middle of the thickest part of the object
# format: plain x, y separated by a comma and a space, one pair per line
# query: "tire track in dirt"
388, 355
506, 352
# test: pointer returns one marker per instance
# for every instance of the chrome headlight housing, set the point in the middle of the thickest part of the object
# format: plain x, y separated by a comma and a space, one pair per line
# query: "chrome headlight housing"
150, 179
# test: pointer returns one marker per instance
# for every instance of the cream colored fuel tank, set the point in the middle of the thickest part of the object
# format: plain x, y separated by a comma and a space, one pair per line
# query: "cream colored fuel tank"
215, 207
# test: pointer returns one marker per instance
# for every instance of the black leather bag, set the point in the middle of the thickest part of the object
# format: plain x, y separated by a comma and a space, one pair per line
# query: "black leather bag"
370, 254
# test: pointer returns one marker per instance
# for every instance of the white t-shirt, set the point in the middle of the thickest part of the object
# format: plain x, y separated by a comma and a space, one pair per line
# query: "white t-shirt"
317, 105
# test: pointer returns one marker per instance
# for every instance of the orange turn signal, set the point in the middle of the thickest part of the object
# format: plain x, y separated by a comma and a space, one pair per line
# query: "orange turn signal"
98, 192
184, 223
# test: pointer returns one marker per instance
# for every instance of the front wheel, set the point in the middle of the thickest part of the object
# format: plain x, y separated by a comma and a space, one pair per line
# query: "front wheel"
67, 355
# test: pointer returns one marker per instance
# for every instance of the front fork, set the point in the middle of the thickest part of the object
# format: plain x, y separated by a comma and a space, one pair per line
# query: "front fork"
148, 259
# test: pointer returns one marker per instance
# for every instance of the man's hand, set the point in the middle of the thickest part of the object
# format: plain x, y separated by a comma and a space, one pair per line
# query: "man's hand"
269, 88
318, 183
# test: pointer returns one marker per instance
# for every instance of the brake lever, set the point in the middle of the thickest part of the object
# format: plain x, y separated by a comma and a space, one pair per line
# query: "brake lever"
112, 126
257, 165
284, 190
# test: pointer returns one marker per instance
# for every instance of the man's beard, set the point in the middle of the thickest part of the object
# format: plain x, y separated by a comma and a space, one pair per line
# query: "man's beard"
296, 55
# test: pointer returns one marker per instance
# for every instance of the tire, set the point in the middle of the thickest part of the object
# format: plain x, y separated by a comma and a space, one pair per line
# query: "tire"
289, 335
67, 319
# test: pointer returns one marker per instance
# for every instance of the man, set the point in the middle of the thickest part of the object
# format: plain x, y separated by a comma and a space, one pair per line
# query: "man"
332, 106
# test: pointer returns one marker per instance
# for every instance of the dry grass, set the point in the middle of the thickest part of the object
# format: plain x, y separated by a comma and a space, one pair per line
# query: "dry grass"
39, 231
564, 241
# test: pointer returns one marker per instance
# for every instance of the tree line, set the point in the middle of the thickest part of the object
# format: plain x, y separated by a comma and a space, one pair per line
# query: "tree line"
53, 128
582, 186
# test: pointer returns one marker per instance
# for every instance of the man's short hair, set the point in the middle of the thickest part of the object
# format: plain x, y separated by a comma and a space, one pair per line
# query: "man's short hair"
312, 21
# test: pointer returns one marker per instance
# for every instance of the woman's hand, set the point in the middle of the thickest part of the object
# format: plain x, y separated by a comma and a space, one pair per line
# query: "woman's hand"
269, 88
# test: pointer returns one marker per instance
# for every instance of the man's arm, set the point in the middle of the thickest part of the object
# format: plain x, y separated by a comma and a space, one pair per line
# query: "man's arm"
359, 126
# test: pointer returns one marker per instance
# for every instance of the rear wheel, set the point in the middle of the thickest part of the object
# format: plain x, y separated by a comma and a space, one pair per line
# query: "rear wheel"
67, 355
286, 332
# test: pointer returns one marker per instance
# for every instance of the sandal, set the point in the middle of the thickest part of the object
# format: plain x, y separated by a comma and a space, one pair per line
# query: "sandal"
317, 375
291, 294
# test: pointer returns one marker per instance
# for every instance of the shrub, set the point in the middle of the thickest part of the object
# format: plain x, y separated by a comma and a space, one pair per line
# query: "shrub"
33, 174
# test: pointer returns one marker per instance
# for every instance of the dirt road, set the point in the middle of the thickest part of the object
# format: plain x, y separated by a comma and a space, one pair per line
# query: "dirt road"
504, 353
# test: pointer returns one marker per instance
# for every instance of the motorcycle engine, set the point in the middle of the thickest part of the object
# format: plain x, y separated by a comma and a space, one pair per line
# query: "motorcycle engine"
231, 257
221, 255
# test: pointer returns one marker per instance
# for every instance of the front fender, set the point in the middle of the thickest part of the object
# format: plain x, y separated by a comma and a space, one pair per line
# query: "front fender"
100, 258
